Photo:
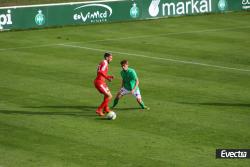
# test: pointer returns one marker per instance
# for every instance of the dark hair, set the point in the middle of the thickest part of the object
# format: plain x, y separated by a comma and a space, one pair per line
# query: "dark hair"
124, 62
107, 54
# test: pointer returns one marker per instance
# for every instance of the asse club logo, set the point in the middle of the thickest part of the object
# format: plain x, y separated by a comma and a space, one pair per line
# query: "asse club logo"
222, 5
134, 11
40, 18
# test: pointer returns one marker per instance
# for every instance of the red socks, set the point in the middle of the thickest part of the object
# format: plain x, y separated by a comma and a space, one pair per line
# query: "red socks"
104, 104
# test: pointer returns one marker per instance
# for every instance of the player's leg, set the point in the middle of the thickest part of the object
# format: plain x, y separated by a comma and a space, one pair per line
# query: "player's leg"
121, 93
102, 88
106, 100
116, 100
141, 103
137, 94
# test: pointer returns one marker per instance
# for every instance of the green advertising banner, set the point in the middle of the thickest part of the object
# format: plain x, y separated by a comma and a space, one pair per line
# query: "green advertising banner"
166, 8
39, 16
49, 15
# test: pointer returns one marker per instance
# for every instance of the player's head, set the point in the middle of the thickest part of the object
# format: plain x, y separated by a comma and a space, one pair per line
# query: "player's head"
124, 65
108, 57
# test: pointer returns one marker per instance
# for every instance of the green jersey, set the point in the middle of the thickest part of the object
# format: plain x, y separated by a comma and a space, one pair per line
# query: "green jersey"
129, 78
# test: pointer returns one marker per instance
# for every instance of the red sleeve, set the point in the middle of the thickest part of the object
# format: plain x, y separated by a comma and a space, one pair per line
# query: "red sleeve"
103, 74
102, 70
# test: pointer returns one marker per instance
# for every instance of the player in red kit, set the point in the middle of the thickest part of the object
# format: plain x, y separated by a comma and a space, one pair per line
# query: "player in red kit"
101, 86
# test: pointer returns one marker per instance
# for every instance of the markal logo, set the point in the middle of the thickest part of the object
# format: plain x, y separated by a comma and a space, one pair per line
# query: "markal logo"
5, 19
232, 153
40, 18
93, 13
246, 4
134, 11
222, 5
180, 7
153, 9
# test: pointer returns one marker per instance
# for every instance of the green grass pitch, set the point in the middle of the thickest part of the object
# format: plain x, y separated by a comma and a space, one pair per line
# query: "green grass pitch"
194, 74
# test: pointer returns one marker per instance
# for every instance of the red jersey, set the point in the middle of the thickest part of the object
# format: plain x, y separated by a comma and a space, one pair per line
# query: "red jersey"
102, 71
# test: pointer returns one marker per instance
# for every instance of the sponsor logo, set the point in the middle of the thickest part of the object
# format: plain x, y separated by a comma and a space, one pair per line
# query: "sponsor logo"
188, 7
94, 13
40, 18
134, 11
179, 7
153, 9
222, 5
232, 153
246, 4
5, 19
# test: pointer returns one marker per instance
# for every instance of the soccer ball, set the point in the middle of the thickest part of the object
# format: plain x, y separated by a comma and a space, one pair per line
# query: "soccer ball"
111, 115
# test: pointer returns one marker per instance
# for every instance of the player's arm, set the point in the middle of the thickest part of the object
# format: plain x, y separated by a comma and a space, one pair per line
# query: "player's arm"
136, 84
108, 77
122, 84
134, 76
101, 71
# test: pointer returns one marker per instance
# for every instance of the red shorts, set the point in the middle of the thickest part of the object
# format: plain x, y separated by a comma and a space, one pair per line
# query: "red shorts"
101, 87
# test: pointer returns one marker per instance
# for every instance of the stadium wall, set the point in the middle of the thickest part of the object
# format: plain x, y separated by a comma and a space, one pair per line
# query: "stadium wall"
77, 13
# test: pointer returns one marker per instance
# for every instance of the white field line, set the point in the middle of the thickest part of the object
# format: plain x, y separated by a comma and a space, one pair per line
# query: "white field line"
156, 58
27, 47
130, 37
161, 35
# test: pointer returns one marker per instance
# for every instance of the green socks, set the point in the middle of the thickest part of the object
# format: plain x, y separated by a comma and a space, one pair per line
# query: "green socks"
142, 105
115, 102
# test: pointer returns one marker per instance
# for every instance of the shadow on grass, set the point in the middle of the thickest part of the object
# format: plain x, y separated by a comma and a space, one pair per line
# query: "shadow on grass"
220, 104
124, 109
84, 108
86, 111
102, 119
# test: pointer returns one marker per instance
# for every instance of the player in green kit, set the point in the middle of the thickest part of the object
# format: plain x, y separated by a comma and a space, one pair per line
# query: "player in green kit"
130, 85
